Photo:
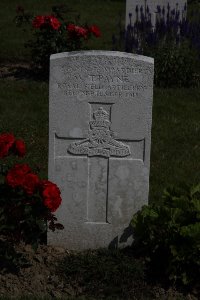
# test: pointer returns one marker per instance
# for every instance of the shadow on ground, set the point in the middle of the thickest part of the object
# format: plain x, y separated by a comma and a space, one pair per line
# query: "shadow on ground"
21, 72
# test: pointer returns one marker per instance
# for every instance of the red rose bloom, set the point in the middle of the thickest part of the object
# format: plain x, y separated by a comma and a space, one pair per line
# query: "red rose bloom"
6, 142
77, 30
71, 28
15, 176
95, 30
53, 22
50, 194
30, 183
19, 148
38, 21
46, 21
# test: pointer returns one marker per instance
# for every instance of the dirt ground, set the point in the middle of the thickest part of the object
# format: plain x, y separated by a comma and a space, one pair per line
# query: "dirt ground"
40, 277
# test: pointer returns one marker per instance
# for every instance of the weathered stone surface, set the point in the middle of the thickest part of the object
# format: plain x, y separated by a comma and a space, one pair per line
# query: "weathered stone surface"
99, 144
152, 5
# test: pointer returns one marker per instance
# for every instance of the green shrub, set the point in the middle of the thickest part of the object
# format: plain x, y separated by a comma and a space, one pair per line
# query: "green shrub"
168, 235
52, 34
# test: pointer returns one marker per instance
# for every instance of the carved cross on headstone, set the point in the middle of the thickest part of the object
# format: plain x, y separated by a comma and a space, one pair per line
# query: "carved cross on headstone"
103, 177
100, 145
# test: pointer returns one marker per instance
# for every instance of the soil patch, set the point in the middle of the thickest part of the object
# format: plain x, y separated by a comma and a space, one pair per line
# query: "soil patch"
43, 276
38, 276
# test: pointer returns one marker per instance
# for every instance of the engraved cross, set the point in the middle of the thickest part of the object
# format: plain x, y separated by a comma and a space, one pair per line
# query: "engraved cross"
99, 146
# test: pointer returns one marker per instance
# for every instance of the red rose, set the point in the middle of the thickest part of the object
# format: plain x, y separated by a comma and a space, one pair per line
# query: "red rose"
77, 30
82, 32
30, 183
6, 142
15, 176
71, 27
46, 21
50, 194
19, 148
95, 30
38, 21
53, 22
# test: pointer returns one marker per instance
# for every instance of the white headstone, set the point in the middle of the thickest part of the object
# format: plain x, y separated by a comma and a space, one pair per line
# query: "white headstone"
177, 5
99, 144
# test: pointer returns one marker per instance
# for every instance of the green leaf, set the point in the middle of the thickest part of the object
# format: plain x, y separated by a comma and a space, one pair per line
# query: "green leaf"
195, 189
192, 231
185, 279
196, 203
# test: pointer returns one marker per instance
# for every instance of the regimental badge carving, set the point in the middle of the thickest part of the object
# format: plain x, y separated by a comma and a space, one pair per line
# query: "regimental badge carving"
100, 140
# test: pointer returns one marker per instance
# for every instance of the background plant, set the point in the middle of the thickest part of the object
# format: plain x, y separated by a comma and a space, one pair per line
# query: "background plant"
174, 43
168, 235
27, 203
53, 34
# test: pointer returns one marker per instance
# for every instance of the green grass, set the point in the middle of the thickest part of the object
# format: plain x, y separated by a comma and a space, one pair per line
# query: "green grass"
104, 13
175, 131
24, 111
175, 139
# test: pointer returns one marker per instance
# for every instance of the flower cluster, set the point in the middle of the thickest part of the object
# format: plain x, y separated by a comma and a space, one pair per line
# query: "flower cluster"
21, 176
84, 32
8, 145
54, 33
40, 22
170, 25
77, 31
46, 22
27, 203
